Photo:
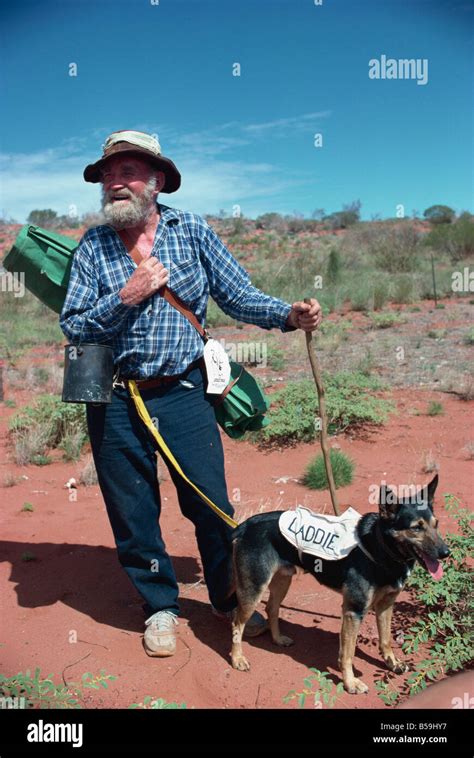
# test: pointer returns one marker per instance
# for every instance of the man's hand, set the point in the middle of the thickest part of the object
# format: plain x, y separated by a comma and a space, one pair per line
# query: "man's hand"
147, 279
306, 316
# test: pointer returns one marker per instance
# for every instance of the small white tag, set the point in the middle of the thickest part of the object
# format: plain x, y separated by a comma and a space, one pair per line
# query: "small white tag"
217, 367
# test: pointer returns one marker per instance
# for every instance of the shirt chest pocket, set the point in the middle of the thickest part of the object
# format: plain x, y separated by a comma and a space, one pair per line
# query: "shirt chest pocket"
186, 279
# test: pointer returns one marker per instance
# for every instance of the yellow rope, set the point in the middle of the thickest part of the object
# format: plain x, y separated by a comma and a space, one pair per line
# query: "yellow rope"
145, 417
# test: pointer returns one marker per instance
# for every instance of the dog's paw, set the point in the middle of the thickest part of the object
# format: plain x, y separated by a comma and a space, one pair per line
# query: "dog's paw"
283, 640
396, 665
356, 687
240, 663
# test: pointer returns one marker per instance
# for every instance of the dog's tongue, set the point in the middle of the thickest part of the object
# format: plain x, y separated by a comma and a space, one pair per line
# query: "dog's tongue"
434, 567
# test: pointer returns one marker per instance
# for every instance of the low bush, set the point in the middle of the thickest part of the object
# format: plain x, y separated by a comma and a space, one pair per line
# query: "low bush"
350, 402
315, 476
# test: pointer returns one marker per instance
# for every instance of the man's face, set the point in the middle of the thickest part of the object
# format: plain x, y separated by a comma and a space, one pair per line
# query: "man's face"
129, 190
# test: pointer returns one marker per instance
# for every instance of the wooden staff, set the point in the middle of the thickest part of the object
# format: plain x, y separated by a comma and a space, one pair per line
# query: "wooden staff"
322, 413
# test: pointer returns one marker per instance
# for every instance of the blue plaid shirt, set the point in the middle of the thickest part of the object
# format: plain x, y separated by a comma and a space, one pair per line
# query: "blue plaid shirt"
153, 338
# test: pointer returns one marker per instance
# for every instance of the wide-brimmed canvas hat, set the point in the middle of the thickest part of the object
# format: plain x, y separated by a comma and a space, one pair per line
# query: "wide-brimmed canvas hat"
143, 146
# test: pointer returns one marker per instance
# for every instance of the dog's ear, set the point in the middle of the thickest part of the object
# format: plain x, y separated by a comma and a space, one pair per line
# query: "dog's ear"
388, 502
431, 490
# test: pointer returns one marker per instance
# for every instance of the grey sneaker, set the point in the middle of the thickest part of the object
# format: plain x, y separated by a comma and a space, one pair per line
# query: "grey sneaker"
255, 626
159, 639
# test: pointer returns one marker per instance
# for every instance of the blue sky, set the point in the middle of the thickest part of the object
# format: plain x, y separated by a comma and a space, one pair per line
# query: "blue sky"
166, 68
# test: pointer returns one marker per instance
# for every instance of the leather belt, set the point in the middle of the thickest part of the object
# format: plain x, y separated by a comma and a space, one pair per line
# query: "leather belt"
160, 381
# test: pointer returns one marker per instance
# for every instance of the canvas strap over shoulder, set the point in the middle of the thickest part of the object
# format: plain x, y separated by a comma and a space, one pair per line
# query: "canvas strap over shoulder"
165, 291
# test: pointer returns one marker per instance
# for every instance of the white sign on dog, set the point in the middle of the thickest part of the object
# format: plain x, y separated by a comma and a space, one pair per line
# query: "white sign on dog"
329, 537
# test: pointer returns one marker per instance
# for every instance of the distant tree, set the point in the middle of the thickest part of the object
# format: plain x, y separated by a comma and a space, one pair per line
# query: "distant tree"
318, 214
295, 223
439, 214
45, 218
270, 221
349, 215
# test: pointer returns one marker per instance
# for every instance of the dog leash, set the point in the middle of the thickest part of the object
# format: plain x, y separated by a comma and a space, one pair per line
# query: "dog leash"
163, 447
138, 400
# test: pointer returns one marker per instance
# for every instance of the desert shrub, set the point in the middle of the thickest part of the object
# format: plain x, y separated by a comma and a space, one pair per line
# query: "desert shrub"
393, 248
43, 692
271, 221
315, 476
361, 294
381, 291
445, 630
333, 269
456, 239
385, 320
350, 401
51, 419
447, 622
31, 444
88, 475
468, 338
404, 288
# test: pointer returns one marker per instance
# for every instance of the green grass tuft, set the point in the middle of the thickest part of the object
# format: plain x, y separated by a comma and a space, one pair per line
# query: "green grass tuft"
315, 476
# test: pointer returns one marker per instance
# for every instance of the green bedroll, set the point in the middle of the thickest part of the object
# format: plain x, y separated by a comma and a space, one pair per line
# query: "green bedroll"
44, 258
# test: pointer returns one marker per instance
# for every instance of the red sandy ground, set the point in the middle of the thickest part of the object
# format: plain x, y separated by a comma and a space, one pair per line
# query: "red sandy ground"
77, 585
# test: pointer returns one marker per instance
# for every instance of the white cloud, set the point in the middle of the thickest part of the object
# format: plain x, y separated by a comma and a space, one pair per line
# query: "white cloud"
52, 178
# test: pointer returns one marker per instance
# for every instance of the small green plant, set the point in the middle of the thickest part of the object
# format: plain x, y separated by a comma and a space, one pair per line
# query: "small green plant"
275, 357
446, 625
72, 443
41, 460
366, 364
381, 292
437, 334
157, 703
385, 320
387, 692
319, 686
40, 375
27, 507
315, 476
435, 409
468, 338
43, 692
9, 403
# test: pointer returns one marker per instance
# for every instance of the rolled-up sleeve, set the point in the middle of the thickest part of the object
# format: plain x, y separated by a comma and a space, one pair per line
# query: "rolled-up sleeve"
85, 315
231, 287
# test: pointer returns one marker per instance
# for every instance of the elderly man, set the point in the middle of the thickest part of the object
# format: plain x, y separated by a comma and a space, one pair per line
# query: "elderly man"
113, 298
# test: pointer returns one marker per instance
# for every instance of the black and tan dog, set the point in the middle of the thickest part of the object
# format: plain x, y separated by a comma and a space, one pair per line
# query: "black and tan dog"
369, 578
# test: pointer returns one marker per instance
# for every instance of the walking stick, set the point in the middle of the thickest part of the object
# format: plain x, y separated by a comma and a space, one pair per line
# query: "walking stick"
313, 359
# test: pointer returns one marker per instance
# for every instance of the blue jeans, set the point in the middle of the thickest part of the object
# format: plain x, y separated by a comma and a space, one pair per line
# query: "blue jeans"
124, 455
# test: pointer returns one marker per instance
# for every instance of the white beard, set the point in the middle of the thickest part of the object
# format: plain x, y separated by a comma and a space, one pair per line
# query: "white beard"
134, 212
